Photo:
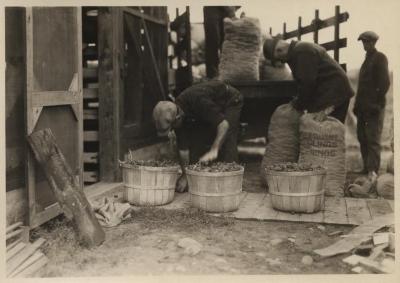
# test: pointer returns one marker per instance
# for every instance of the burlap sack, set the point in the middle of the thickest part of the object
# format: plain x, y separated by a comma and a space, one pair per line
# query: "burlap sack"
270, 73
240, 50
323, 143
283, 138
385, 186
390, 164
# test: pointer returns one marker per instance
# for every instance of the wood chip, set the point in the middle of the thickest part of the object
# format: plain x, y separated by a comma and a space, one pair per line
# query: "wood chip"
380, 238
352, 260
348, 244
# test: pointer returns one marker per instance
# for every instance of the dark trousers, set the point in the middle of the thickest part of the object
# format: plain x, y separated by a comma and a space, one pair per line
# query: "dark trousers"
369, 130
340, 111
202, 135
214, 36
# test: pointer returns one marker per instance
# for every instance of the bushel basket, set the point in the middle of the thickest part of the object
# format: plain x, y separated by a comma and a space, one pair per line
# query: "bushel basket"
215, 191
148, 186
297, 191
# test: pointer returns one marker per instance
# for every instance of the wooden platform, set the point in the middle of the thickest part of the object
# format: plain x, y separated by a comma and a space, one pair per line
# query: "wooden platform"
257, 206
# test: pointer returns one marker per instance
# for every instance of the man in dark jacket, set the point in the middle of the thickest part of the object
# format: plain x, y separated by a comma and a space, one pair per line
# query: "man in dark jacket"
214, 34
205, 118
323, 85
370, 103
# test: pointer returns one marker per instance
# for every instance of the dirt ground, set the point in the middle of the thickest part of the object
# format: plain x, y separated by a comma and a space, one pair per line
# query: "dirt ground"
148, 244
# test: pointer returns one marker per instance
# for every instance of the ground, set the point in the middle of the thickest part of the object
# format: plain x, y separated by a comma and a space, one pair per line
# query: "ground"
148, 244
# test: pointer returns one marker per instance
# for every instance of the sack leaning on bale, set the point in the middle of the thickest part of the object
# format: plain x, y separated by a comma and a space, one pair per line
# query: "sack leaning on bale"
283, 138
323, 143
240, 50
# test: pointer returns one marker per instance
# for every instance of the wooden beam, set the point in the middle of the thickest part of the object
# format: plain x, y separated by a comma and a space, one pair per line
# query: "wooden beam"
143, 16
299, 32
18, 259
331, 45
43, 216
336, 34
66, 188
53, 98
108, 40
316, 26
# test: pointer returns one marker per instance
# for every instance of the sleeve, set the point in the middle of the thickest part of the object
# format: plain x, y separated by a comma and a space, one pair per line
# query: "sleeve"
182, 139
209, 112
306, 76
382, 78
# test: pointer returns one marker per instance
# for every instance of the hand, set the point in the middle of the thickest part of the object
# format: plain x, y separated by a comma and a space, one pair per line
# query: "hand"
329, 110
209, 156
181, 184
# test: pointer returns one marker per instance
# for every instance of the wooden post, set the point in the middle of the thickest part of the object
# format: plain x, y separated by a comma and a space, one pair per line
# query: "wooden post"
109, 79
299, 29
316, 26
284, 31
66, 188
188, 38
270, 30
336, 39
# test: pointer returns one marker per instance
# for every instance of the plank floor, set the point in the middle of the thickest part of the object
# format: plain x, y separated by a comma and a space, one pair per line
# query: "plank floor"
257, 206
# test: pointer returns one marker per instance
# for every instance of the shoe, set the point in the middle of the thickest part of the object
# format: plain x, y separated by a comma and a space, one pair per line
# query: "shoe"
372, 176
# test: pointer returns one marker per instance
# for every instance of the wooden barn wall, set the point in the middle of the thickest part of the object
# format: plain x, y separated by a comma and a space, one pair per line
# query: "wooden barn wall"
15, 90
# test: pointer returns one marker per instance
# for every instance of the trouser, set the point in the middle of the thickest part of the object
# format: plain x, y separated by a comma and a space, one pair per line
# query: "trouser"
340, 111
214, 36
202, 135
369, 130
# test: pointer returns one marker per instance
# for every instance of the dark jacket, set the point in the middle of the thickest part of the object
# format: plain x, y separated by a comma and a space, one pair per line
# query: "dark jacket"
373, 83
321, 80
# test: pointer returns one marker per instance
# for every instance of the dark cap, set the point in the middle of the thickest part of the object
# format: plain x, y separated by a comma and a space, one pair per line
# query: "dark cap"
368, 36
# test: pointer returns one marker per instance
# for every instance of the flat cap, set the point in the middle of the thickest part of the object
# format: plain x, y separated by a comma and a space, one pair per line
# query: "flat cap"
369, 36
269, 48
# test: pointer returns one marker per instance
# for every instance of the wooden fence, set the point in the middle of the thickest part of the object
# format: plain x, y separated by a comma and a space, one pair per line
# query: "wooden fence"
316, 25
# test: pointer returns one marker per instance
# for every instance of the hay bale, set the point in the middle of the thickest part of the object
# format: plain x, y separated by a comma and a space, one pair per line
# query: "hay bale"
240, 50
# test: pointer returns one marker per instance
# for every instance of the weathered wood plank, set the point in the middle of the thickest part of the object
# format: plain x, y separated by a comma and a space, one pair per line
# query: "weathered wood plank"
317, 217
91, 157
391, 203
265, 210
249, 205
52, 98
335, 211
90, 114
90, 93
357, 211
12, 227
90, 176
15, 250
33, 268
378, 207
91, 136
357, 236
31, 260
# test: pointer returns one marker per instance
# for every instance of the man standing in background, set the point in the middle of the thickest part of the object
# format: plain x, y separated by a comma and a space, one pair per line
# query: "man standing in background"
214, 34
370, 103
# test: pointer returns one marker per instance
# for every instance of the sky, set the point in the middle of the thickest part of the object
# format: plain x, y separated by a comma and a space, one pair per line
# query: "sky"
379, 16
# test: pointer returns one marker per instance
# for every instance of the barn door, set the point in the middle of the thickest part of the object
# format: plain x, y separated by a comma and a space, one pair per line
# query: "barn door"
53, 97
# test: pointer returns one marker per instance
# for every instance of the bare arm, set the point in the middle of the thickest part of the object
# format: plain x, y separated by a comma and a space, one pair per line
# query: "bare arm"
222, 130
181, 184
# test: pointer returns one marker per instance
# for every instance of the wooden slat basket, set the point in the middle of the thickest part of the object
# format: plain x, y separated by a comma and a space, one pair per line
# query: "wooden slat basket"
215, 191
149, 186
297, 191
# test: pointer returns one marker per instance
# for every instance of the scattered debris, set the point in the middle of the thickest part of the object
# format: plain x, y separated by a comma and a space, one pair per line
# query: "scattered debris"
352, 260
23, 258
348, 244
357, 269
364, 250
322, 228
273, 261
261, 254
335, 233
192, 247
110, 213
307, 260
276, 242
380, 238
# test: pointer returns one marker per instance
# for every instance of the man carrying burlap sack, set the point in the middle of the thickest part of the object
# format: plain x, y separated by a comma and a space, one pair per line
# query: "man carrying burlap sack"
322, 83
205, 118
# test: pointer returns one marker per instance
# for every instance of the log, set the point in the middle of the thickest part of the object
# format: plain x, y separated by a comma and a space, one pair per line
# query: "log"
66, 188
